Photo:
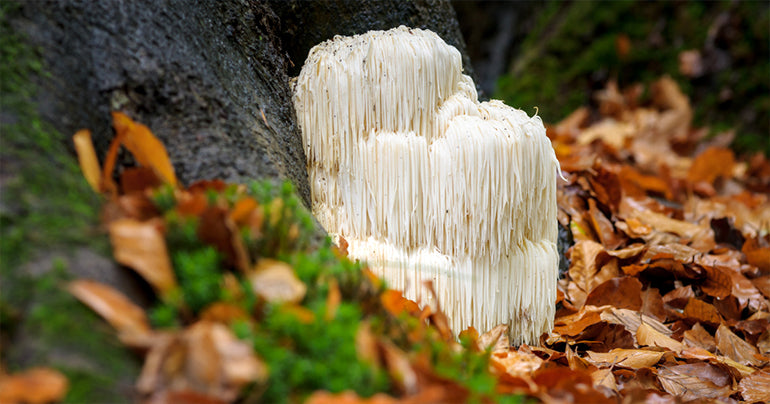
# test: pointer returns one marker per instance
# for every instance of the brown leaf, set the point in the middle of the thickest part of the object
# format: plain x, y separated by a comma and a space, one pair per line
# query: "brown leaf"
574, 324
622, 293
605, 379
697, 336
582, 271
631, 320
142, 247
333, 300
603, 227
717, 283
495, 339
695, 381
713, 163
628, 358
679, 297
136, 179
112, 305
756, 388
515, 363
276, 282
652, 304
33, 386
736, 348
89, 163
215, 228
224, 313
648, 336
146, 148
763, 285
206, 358
566, 384
756, 255
703, 312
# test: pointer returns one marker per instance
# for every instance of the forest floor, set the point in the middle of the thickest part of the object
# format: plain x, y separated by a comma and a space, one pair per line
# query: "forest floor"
665, 297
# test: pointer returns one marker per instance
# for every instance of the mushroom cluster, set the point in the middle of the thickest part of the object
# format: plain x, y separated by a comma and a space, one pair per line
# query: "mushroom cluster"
425, 182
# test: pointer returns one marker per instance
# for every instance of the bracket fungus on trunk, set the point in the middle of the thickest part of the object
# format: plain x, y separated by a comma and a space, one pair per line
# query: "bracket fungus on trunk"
427, 183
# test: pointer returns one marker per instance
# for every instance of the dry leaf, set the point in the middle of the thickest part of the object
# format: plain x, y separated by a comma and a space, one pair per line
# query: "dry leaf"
113, 306
146, 148
736, 348
627, 358
395, 303
276, 282
622, 293
695, 381
515, 363
33, 386
756, 388
89, 163
142, 247
495, 339
697, 336
648, 336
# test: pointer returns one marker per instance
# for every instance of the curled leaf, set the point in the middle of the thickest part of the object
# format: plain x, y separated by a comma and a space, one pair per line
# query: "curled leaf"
275, 281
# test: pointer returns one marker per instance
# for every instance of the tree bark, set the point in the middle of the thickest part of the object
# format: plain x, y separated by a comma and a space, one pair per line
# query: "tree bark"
210, 78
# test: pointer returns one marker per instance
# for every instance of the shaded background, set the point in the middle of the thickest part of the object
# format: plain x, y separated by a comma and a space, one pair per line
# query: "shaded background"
555, 54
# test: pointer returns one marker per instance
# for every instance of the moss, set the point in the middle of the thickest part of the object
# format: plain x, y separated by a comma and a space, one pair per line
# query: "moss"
571, 52
47, 211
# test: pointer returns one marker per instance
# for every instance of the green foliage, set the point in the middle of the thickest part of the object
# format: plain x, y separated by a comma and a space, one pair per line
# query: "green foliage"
303, 357
571, 52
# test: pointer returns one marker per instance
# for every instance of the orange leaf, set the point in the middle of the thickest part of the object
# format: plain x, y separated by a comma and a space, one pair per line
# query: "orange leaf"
33, 386
703, 312
648, 336
141, 246
89, 163
712, 163
395, 303
146, 148
629, 358
112, 305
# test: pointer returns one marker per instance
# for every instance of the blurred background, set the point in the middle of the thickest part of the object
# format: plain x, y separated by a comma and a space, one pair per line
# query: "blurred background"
556, 54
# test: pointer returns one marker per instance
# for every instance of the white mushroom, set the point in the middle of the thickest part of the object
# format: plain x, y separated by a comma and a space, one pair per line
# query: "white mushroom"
426, 183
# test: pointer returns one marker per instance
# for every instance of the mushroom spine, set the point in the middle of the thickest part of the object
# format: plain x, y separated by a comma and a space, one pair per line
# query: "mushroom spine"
427, 183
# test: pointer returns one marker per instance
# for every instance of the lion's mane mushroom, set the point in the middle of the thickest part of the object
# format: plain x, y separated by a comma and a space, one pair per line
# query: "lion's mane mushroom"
427, 183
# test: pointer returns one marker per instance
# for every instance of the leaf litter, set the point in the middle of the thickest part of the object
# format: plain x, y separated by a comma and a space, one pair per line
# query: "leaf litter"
665, 298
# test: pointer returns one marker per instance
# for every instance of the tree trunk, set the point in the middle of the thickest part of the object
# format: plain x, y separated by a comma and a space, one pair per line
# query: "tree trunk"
210, 78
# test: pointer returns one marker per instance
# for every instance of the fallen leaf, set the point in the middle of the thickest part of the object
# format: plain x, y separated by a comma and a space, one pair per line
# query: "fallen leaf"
703, 312
494, 340
276, 282
631, 320
142, 247
89, 163
622, 293
695, 381
628, 358
756, 387
146, 148
515, 363
736, 348
33, 386
395, 303
125, 316
756, 255
648, 336
713, 163
697, 336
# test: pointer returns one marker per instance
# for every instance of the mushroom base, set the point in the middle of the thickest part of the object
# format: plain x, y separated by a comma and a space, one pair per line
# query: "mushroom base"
518, 288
